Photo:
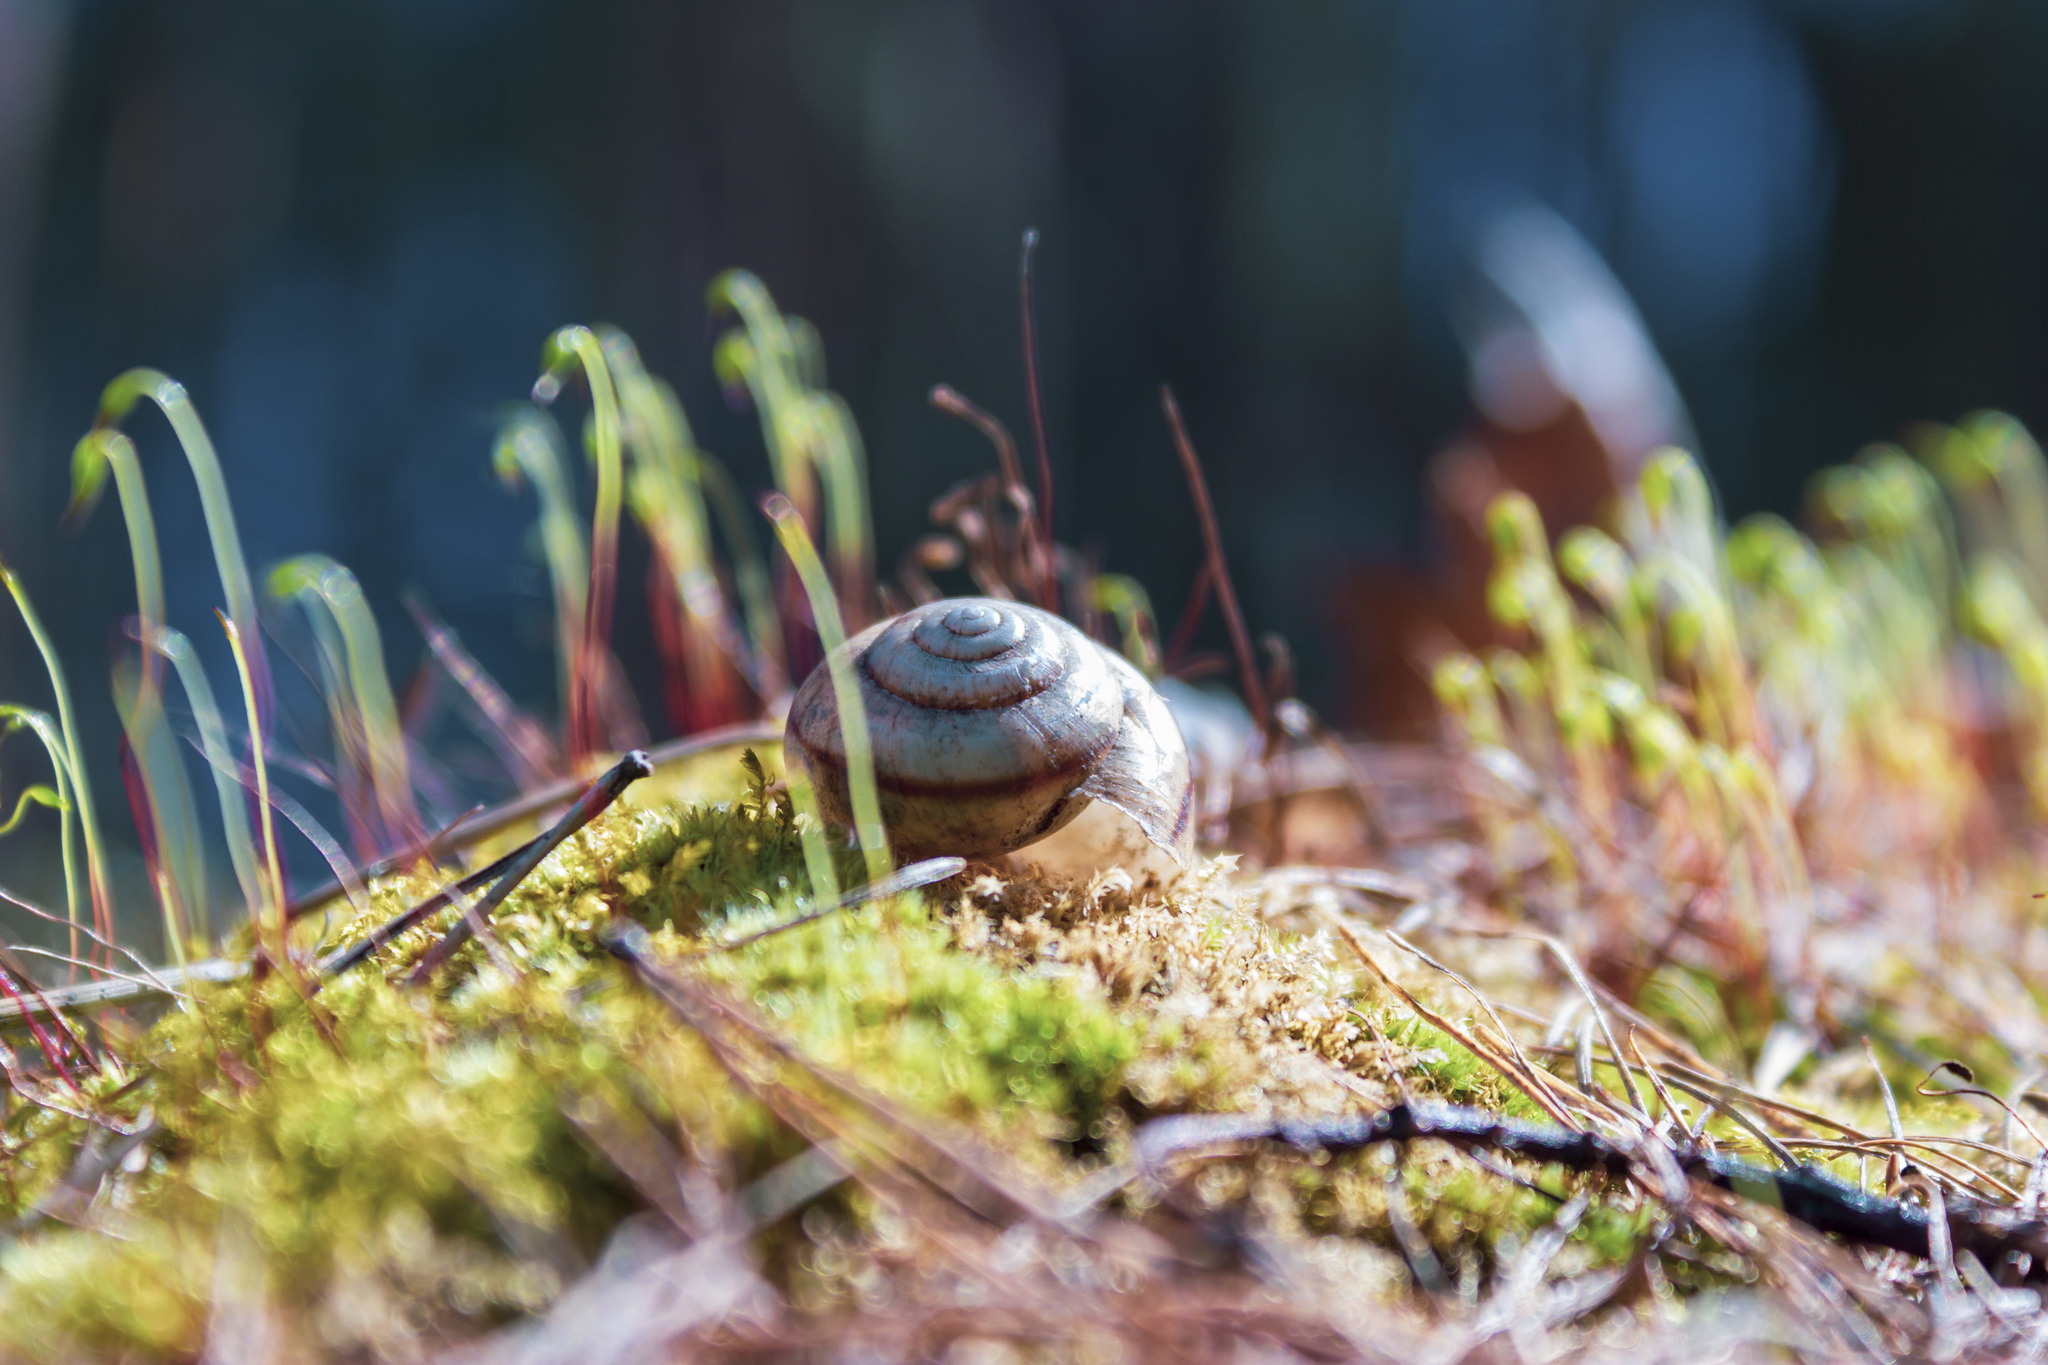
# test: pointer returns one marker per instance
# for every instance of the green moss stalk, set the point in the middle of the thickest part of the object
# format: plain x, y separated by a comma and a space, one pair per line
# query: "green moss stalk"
529, 450
81, 790
63, 797
665, 492
811, 437
116, 402
167, 795
273, 865
213, 740
360, 690
853, 720
567, 348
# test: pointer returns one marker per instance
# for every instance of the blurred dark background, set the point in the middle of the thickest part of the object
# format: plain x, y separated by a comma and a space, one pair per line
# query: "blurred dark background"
348, 228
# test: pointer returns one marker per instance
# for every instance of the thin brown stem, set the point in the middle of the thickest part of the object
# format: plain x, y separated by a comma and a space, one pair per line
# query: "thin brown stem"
52, 1054
953, 403
905, 879
1041, 583
1031, 390
1190, 620
1500, 1025
1219, 570
1522, 1079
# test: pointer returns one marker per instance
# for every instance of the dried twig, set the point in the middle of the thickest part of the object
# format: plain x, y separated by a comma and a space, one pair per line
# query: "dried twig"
472, 829
1805, 1193
588, 807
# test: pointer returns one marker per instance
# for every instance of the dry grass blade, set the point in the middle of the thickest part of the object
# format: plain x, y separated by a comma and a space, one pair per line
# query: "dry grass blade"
1689, 1079
1523, 1078
1926, 1143
1522, 1062
1374, 882
111, 948
98, 1156
644, 1294
1664, 1095
1970, 1087
896, 883
121, 991
1585, 987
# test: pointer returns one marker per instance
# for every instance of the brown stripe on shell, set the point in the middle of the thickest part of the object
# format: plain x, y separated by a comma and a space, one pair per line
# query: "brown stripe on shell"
907, 786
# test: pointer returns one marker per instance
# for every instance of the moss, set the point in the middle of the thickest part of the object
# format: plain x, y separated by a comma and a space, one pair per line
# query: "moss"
404, 1159
882, 993
402, 1165
71, 1293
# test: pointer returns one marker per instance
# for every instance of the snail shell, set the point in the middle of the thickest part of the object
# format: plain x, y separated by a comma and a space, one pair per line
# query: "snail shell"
993, 725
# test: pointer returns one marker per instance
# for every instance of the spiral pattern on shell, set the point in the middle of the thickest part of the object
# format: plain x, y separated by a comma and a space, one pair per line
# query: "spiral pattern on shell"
972, 656
986, 719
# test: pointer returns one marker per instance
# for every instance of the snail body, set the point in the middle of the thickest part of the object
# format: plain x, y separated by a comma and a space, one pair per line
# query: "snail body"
993, 725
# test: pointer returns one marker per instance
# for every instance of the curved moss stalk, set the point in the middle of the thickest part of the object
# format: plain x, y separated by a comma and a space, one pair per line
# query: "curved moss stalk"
2016, 465
1593, 560
1769, 820
762, 360
320, 584
1680, 549
1747, 897
809, 431
160, 799
39, 724
1525, 591
853, 719
666, 495
1662, 752
116, 402
750, 575
1674, 509
1702, 629
1893, 505
166, 794
81, 790
842, 462
213, 742
273, 866
97, 454
1534, 725
353, 781
529, 450
36, 794
1464, 690
579, 346
1466, 693
2001, 614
